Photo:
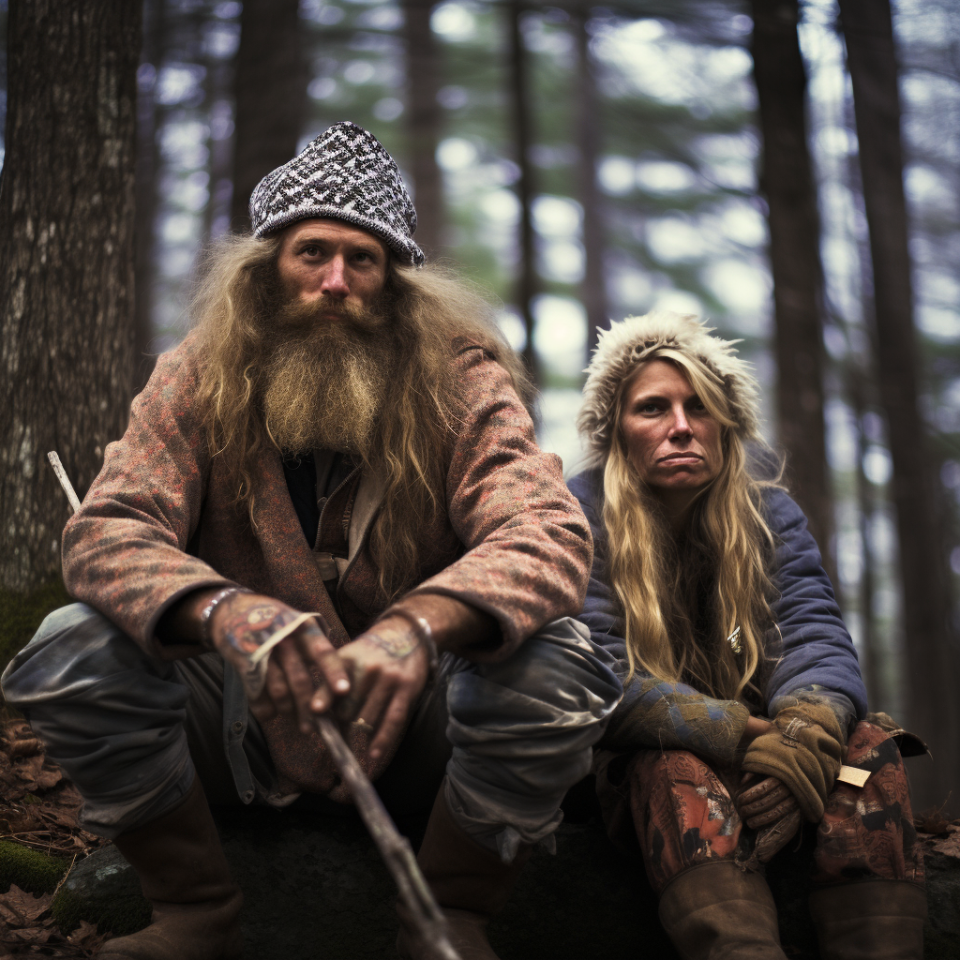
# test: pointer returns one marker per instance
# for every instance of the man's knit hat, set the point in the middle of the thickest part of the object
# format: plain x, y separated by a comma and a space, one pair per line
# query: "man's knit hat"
636, 339
345, 174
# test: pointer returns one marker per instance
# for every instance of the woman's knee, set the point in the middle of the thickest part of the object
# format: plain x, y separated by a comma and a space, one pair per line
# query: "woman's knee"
867, 832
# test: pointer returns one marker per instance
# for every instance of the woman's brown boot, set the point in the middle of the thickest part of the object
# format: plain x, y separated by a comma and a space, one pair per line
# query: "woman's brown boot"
184, 874
718, 911
870, 920
471, 884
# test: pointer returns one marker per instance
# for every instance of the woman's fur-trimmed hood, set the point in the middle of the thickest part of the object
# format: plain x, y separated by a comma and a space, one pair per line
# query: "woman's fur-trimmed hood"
636, 339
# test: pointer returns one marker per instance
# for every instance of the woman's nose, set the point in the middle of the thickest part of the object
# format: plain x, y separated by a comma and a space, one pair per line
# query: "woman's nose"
680, 425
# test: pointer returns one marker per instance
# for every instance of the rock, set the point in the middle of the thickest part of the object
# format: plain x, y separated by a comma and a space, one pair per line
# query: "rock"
102, 889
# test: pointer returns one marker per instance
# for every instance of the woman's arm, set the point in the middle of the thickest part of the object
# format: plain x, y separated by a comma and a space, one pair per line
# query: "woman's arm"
652, 713
815, 655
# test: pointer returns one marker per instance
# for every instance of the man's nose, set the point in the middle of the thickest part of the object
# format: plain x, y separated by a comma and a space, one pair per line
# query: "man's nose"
334, 281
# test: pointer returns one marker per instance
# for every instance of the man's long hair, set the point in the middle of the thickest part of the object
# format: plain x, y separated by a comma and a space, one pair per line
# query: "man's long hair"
430, 313
684, 596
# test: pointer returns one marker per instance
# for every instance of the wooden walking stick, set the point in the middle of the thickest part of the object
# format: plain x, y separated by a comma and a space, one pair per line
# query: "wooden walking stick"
421, 908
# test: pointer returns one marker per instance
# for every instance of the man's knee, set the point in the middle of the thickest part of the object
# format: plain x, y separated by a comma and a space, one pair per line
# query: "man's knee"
78, 654
558, 671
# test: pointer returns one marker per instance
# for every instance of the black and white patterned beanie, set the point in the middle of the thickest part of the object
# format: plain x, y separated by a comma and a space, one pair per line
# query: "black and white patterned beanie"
344, 174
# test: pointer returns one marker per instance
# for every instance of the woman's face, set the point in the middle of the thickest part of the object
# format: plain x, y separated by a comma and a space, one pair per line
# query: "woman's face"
672, 441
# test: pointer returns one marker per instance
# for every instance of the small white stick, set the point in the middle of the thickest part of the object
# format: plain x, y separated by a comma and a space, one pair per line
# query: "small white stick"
54, 459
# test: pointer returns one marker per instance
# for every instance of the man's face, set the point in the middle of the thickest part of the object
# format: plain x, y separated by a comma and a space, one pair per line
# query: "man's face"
329, 259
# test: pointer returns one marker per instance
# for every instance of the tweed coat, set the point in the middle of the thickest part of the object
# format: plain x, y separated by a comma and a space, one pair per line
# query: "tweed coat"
161, 520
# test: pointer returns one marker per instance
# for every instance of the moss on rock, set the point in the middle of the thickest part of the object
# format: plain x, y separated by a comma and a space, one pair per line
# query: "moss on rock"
30, 870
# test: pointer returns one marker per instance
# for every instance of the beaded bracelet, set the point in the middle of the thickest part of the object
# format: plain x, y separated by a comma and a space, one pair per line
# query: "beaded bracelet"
424, 635
207, 612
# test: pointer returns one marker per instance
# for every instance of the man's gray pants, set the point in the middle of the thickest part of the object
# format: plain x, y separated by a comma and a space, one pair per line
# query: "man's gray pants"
131, 731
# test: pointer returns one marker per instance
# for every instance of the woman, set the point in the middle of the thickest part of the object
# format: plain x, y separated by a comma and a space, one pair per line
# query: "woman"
742, 690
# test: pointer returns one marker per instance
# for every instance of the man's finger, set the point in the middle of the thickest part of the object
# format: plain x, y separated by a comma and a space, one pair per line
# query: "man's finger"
390, 724
320, 651
276, 689
299, 682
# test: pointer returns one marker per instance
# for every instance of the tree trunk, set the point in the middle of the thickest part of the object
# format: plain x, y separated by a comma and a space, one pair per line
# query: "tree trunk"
148, 168
66, 263
424, 122
522, 139
931, 659
271, 97
593, 289
787, 181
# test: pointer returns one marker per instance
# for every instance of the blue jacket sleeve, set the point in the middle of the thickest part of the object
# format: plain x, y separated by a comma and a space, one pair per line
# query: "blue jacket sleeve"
814, 651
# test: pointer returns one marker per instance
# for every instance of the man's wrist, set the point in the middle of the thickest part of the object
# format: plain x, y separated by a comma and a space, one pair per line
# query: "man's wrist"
205, 617
423, 633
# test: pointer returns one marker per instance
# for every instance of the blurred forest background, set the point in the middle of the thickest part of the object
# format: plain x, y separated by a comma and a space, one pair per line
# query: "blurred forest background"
789, 170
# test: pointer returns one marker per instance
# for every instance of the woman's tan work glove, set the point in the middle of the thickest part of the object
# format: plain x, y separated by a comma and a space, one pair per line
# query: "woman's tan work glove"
803, 753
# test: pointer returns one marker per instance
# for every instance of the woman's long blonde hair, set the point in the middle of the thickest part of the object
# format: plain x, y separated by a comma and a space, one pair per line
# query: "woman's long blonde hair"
722, 556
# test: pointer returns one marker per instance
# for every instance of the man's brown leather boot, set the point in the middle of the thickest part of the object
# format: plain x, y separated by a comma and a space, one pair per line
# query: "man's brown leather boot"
870, 920
470, 883
716, 910
184, 874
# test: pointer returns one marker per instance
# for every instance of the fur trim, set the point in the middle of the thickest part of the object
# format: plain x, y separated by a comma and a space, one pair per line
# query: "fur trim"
635, 339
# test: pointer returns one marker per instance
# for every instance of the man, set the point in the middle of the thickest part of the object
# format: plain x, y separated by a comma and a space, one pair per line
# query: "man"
336, 463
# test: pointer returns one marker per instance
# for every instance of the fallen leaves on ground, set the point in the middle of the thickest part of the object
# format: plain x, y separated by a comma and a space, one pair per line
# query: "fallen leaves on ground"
28, 930
939, 835
38, 808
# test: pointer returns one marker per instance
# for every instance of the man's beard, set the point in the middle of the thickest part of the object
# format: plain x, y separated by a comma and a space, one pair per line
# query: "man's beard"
324, 380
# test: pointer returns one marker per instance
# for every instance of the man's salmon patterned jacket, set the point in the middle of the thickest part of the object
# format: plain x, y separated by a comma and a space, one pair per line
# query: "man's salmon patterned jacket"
162, 520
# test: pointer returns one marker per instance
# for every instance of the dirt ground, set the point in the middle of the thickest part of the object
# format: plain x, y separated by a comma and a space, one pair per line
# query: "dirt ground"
38, 809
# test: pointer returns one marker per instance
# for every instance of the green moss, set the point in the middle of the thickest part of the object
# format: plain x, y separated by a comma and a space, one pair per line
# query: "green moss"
29, 869
22, 613
120, 916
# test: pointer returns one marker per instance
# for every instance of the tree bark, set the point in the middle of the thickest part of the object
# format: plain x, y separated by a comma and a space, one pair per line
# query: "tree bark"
148, 167
66, 263
424, 123
787, 181
931, 659
271, 97
522, 139
593, 289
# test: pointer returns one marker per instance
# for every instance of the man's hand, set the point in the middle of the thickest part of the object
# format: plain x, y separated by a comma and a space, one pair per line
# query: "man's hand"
243, 622
388, 669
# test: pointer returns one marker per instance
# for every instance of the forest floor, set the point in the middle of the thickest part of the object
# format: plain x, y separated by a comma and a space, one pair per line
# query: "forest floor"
38, 810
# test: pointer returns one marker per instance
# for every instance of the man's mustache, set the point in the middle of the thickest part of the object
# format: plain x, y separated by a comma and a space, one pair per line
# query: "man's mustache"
306, 313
